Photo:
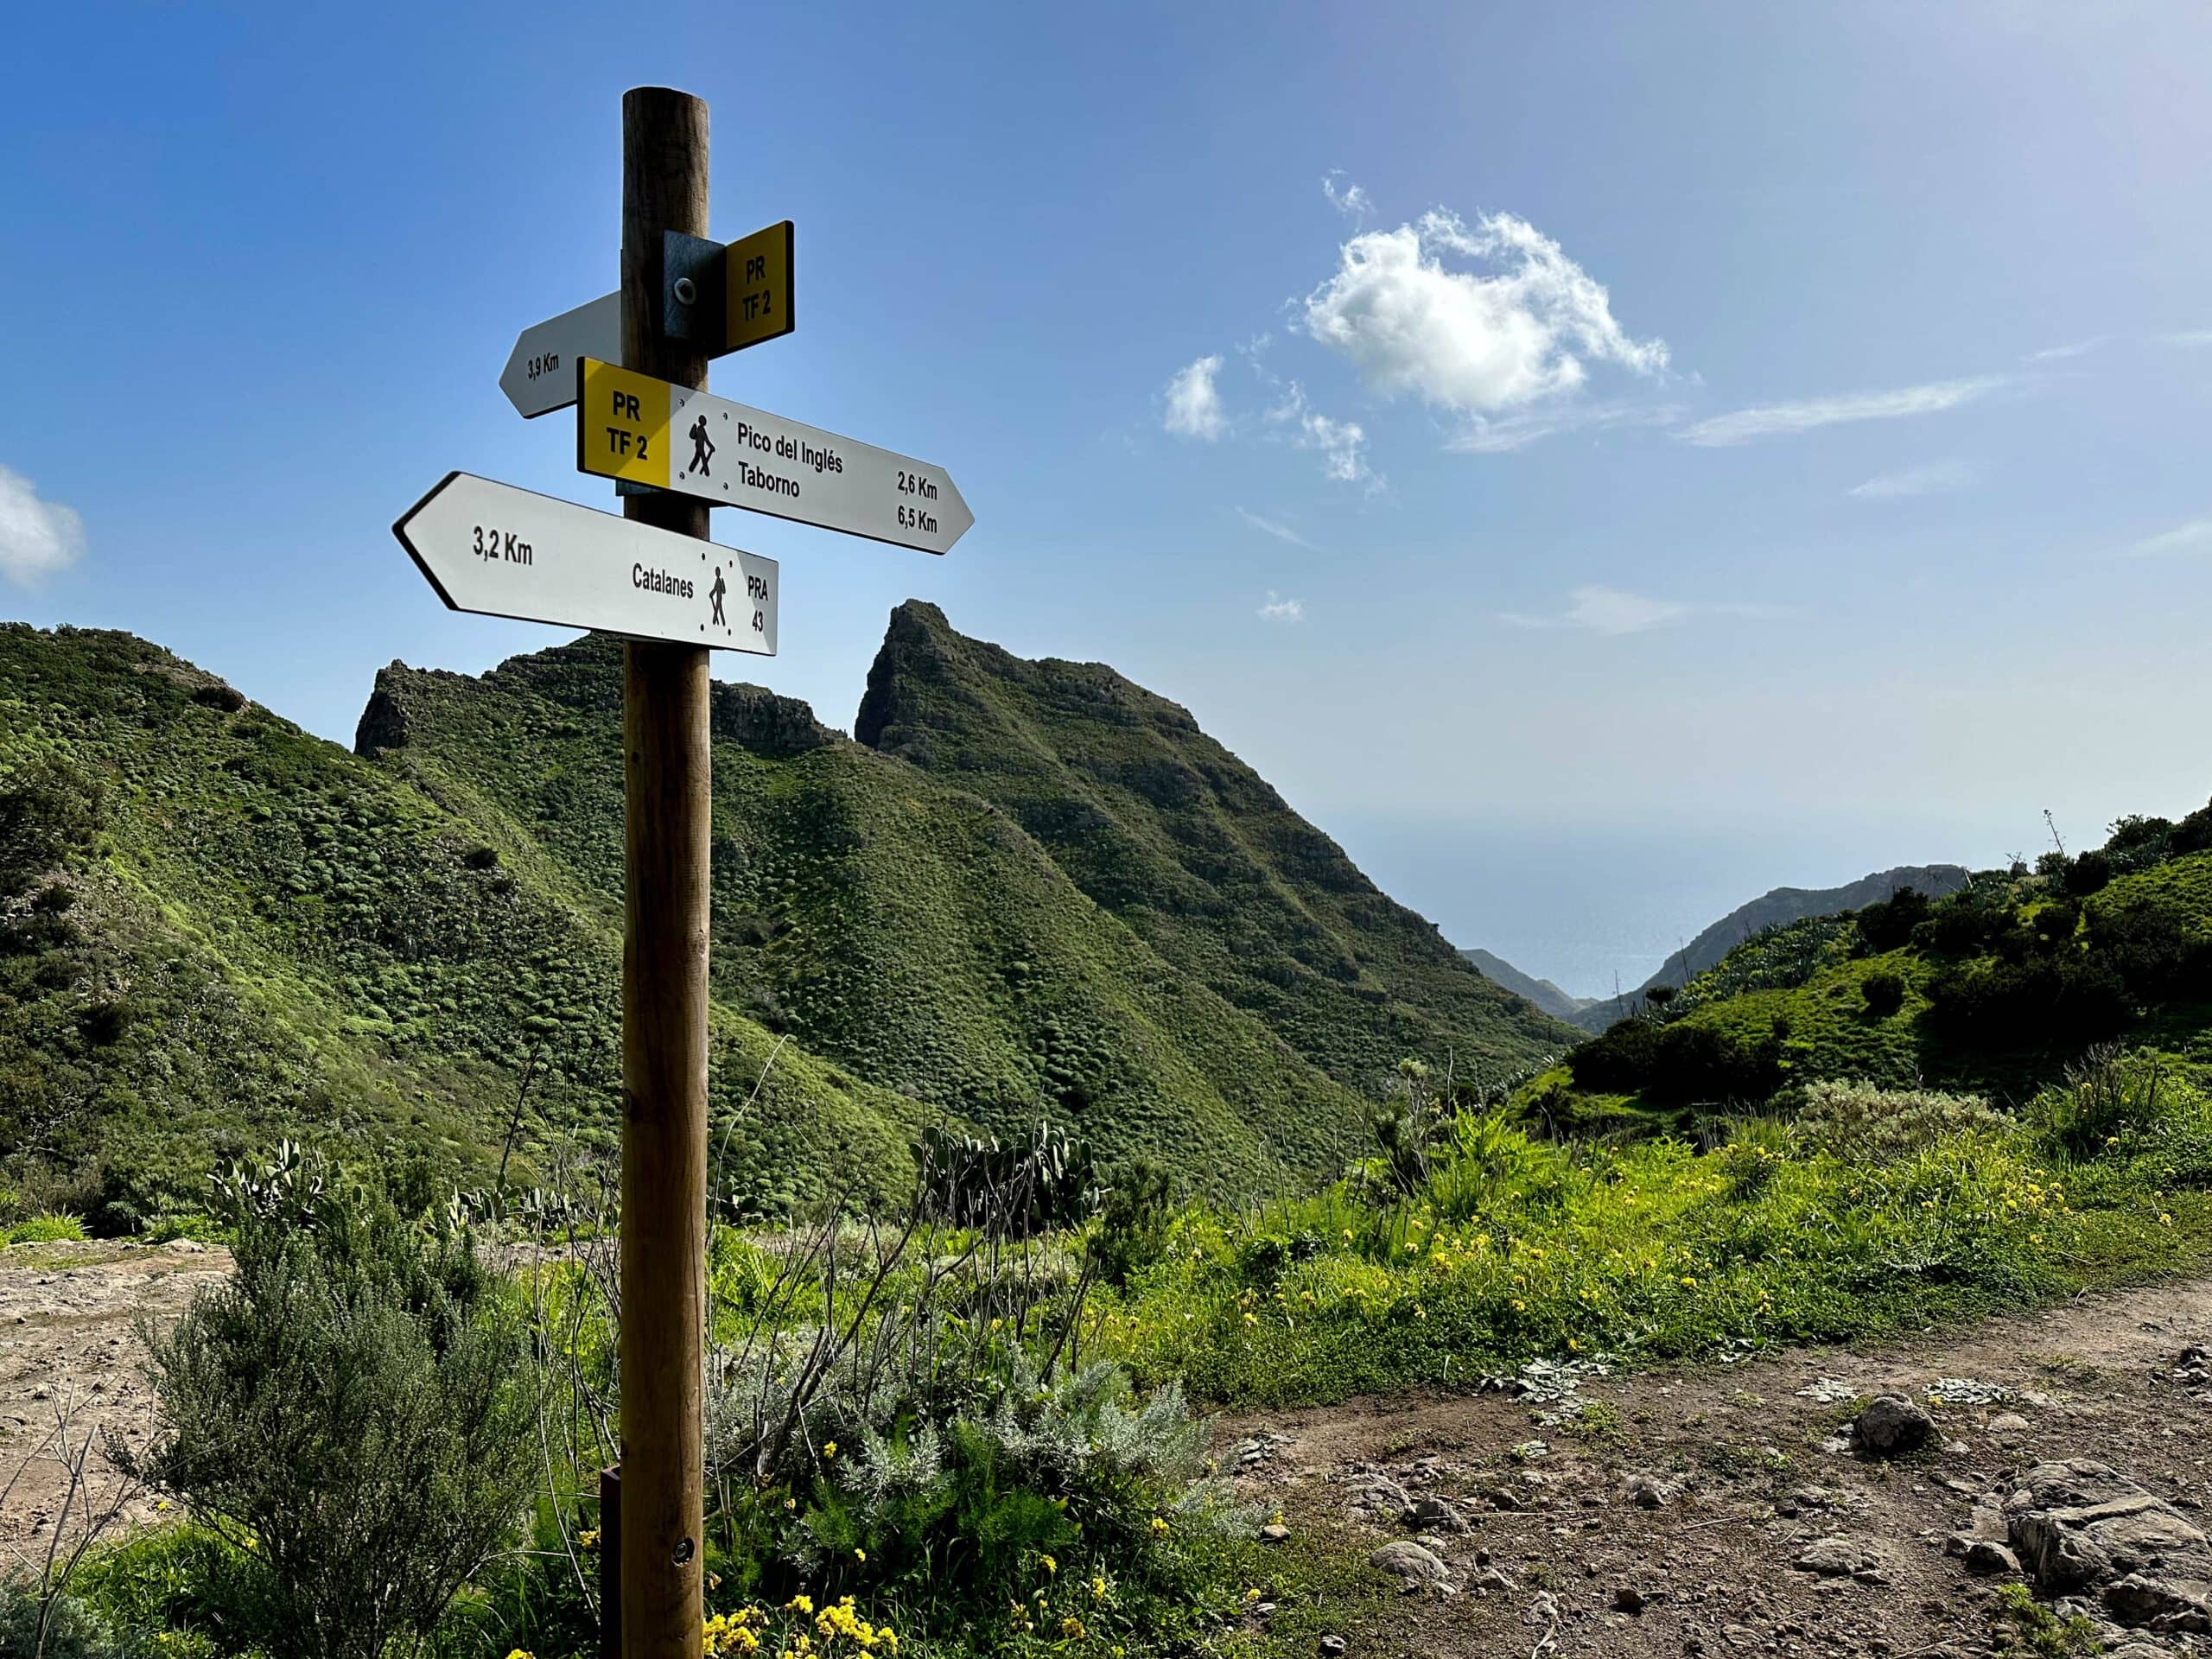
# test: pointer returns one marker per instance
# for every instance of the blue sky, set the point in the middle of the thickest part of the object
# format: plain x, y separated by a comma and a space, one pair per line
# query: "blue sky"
1597, 461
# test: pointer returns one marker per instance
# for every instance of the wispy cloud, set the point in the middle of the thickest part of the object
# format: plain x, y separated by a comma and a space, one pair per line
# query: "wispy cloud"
2194, 537
1504, 433
1342, 445
1611, 611
1348, 199
2189, 337
2058, 354
1522, 327
1781, 420
37, 537
1278, 609
1275, 528
1194, 401
1934, 479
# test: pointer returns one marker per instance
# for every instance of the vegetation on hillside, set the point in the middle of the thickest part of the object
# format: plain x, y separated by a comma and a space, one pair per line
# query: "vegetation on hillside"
1175, 836
1995, 988
886, 920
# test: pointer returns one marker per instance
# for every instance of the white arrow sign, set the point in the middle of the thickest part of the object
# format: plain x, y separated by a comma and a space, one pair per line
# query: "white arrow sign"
541, 372
633, 427
501, 551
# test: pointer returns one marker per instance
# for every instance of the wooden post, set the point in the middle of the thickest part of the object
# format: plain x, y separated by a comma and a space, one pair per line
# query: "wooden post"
663, 963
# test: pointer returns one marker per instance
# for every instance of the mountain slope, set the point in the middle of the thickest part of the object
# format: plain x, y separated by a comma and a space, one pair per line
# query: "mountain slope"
885, 919
1174, 836
216, 929
1776, 908
1998, 989
1561, 1005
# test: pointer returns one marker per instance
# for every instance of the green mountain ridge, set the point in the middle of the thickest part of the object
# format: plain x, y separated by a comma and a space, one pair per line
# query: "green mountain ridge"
1998, 987
1559, 1003
1777, 907
216, 928
1191, 848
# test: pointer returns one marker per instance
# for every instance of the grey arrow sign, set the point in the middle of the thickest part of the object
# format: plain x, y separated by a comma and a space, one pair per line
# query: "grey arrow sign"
498, 551
541, 372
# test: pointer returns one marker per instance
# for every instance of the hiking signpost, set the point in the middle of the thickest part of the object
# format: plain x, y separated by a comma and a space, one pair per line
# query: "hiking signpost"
501, 551
635, 362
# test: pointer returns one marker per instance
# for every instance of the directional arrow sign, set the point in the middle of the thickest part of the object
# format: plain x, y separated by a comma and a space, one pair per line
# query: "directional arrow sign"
632, 427
501, 551
541, 372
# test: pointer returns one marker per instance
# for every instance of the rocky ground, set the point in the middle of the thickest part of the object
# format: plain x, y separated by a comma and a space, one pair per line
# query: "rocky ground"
2038, 1485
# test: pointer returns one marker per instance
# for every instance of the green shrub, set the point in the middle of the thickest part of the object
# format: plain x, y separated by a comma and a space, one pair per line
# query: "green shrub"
2107, 1097
1883, 927
1883, 992
355, 1407
2041, 1002
1858, 1120
47, 1229
1618, 1060
61, 1627
1132, 1228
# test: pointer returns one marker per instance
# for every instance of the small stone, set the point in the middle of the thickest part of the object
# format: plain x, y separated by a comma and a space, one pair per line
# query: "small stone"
1831, 1557
1416, 1565
1983, 1556
1330, 1646
1438, 1513
1628, 1601
1275, 1533
2009, 1422
1890, 1424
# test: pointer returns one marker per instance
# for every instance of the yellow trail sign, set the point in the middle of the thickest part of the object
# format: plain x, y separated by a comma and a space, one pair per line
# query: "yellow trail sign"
622, 424
757, 278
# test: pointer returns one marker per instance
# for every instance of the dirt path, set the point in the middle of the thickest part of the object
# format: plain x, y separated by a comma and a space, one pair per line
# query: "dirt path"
69, 1347
1659, 1513
1668, 1515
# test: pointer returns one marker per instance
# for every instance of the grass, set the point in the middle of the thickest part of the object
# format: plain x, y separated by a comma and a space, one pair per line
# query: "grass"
49, 1229
1519, 1250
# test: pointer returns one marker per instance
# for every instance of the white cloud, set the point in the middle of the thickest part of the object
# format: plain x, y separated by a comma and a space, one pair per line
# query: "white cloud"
1281, 610
37, 537
1350, 199
1931, 479
2190, 337
2054, 353
1472, 343
2181, 538
1341, 444
1780, 420
1275, 528
1194, 408
1611, 611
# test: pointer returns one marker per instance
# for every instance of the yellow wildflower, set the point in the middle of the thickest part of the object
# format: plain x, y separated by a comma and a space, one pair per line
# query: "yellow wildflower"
829, 1448
1049, 1565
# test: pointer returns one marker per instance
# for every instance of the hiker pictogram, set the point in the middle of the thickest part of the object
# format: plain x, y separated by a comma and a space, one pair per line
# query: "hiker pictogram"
715, 596
702, 450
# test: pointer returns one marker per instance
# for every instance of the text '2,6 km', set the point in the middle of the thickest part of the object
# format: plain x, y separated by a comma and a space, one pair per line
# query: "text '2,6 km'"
632, 427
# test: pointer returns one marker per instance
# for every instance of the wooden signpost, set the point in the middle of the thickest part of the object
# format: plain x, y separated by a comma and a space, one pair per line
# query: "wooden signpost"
652, 577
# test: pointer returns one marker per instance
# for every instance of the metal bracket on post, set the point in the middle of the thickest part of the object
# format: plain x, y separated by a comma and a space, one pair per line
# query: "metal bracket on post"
693, 305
